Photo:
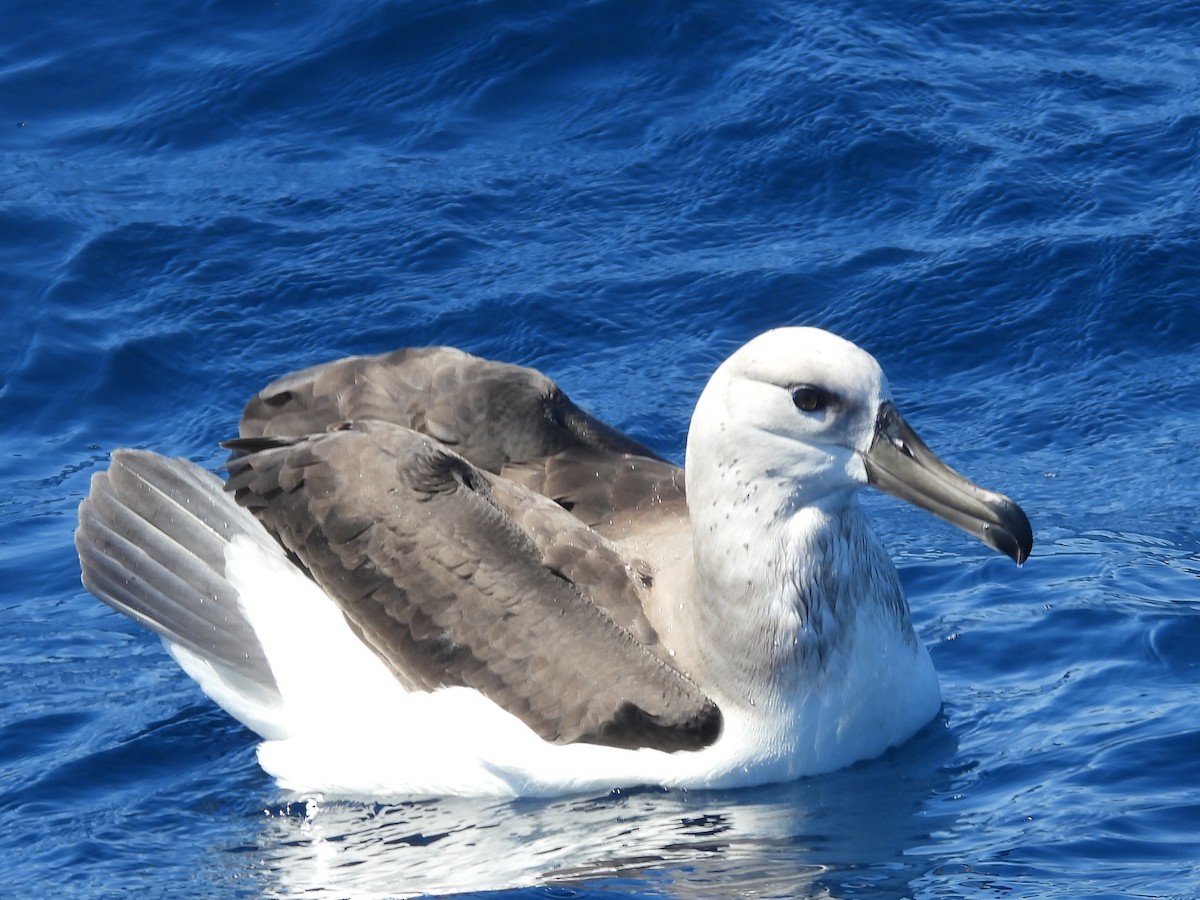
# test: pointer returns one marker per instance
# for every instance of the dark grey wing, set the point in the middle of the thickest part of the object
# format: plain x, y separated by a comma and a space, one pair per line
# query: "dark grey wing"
490, 413
618, 494
151, 539
415, 545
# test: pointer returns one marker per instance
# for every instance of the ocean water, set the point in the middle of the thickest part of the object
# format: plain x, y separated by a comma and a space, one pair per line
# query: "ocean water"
999, 200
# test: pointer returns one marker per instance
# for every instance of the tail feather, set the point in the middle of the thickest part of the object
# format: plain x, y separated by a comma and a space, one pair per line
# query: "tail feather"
152, 542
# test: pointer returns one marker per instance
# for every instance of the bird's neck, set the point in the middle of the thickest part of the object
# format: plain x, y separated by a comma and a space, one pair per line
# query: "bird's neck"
783, 588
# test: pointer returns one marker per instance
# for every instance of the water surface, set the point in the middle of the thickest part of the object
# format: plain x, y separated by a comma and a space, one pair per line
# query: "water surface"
999, 201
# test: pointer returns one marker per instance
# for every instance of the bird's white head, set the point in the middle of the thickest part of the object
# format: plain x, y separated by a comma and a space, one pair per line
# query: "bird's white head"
795, 408
800, 418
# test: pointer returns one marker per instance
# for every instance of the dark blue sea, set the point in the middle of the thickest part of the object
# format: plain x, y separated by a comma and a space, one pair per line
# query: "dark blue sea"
999, 199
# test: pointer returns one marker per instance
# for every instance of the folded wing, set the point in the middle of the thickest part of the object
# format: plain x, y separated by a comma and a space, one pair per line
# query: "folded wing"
455, 576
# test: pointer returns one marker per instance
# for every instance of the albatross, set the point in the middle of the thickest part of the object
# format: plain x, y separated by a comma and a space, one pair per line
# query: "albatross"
427, 573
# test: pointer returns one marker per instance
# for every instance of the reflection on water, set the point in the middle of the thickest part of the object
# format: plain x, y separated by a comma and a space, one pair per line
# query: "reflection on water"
850, 832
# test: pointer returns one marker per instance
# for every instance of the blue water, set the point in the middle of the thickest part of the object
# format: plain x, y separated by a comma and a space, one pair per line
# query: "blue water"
999, 199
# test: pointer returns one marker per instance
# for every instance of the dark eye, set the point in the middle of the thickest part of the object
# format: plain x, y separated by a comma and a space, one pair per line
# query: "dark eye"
811, 399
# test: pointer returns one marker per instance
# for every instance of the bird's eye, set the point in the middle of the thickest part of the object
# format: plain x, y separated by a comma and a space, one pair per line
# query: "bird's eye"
810, 399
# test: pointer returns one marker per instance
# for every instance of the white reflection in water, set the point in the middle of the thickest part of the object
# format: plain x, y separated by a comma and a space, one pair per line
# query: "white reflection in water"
810, 838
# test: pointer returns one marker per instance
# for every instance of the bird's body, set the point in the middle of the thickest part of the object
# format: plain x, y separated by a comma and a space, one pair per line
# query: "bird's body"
431, 574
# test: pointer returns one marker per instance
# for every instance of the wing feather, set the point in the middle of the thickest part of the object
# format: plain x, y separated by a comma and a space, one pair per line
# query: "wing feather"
491, 413
455, 576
